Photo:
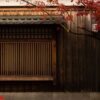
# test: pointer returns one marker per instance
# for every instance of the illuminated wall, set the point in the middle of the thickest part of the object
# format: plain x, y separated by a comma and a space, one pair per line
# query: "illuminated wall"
21, 3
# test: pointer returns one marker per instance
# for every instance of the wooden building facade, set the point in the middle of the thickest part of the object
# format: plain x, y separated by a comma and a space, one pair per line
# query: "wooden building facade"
37, 50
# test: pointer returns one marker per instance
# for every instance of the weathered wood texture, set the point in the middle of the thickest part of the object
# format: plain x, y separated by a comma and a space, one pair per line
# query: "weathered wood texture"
78, 53
81, 56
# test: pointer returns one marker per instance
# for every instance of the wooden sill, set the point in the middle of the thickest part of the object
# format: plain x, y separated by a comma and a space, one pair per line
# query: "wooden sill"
25, 78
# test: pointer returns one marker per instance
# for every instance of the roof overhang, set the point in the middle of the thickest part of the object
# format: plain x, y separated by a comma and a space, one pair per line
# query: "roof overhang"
31, 19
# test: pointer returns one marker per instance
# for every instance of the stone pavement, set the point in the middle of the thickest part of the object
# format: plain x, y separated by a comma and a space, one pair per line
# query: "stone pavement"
50, 96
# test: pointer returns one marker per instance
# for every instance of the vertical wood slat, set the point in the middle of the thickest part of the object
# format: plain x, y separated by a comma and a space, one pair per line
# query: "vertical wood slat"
54, 59
27, 58
1, 59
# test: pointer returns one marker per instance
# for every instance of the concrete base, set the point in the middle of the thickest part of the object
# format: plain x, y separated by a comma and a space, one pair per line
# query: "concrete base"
50, 96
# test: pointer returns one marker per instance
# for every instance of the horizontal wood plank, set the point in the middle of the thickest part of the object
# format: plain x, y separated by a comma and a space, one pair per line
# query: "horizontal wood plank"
25, 78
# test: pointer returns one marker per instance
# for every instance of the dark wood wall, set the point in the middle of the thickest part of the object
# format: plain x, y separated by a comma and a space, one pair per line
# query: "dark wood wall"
81, 61
78, 62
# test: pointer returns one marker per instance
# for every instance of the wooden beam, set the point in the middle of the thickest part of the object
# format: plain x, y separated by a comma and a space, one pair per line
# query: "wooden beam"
25, 78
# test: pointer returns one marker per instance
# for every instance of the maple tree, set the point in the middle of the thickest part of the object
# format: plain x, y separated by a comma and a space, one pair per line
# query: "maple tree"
90, 5
94, 7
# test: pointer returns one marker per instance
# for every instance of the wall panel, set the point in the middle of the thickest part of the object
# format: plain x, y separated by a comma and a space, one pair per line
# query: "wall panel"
82, 57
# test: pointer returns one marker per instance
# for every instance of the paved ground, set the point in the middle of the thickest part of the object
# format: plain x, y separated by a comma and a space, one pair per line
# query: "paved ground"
50, 96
